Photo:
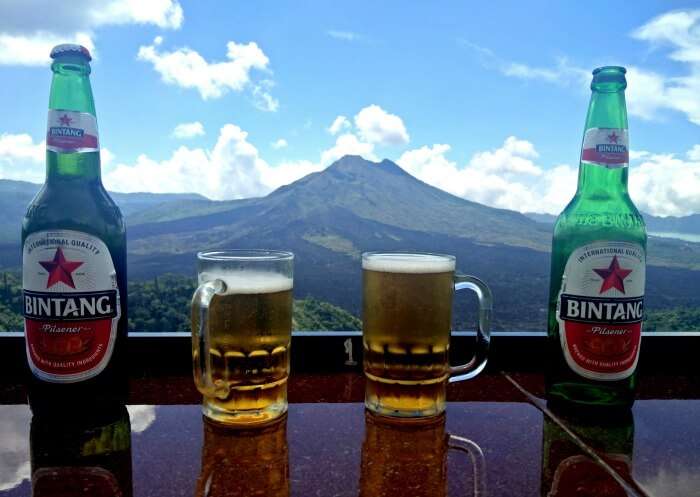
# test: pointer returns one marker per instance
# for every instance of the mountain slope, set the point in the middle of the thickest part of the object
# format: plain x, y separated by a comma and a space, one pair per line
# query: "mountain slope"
15, 196
381, 192
329, 218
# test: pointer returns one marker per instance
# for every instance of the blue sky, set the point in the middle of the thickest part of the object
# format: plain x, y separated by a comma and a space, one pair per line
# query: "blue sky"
484, 100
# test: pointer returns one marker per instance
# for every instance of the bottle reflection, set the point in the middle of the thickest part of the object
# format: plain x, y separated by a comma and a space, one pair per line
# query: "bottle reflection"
404, 457
568, 472
247, 462
85, 454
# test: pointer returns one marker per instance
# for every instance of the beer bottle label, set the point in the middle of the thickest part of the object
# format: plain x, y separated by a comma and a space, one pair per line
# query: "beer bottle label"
607, 147
71, 305
75, 480
600, 309
69, 131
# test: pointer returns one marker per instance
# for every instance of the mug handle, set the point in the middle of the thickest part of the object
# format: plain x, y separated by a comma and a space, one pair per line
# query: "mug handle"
201, 300
476, 455
483, 328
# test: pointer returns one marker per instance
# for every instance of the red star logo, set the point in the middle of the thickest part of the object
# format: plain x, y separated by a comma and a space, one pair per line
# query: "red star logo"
613, 277
612, 138
65, 120
60, 269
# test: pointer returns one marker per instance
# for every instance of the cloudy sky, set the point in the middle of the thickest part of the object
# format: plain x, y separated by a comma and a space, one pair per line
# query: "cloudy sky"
233, 99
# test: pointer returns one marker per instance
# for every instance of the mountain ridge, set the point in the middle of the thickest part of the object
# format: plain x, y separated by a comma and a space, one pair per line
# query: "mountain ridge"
385, 193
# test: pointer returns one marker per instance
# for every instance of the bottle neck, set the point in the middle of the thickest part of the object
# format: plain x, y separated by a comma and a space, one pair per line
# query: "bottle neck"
603, 169
72, 140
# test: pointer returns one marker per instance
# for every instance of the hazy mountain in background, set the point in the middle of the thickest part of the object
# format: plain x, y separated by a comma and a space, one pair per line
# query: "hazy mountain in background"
541, 217
686, 224
381, 192
329, 218
15, 196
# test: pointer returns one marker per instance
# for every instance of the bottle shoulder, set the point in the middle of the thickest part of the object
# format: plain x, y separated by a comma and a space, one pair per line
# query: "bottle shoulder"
584, 222
618, 214
76, 206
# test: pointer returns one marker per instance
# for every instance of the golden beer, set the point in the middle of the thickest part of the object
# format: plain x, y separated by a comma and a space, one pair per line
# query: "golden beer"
407, 312
245, 462
246, 338
404, 458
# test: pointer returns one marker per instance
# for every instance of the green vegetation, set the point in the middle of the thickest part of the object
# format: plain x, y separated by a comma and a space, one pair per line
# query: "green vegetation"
675, 319
163, 304
311, 314
11, 302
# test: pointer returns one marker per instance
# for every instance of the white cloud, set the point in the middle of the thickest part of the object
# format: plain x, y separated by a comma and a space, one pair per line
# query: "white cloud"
347, 144
21, 158
21, 147
638, 154
665, 185
661, 185
162, 13
563, 72
34, 49
233, 168
279, 143
14, 433
694, 153
652, 92
648, 93
339, 124
188, 130
513, 157
141, 417
505, 177
377, 126
670, 479
262, 100
645, 93
287, 172
27, 33
678, 29
343, 35
106, 158
186, 68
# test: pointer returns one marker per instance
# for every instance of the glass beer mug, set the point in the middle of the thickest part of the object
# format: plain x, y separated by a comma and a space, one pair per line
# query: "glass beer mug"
407, 318
241, 333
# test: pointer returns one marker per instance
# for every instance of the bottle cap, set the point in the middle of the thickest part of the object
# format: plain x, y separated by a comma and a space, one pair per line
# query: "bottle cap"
70, 49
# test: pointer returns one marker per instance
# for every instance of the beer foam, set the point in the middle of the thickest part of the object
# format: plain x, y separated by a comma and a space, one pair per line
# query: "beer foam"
247, 281
408, 263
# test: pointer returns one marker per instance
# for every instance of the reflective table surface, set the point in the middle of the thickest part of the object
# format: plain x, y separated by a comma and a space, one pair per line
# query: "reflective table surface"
496, 439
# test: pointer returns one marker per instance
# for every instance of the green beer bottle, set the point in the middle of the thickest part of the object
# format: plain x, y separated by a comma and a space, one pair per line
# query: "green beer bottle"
84, 454
568, 471
74, 257
596, 300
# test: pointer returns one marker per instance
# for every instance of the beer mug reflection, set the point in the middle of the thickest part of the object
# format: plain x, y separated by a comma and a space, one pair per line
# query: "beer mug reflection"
89, 454
409, 457
566, 469
244, 462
